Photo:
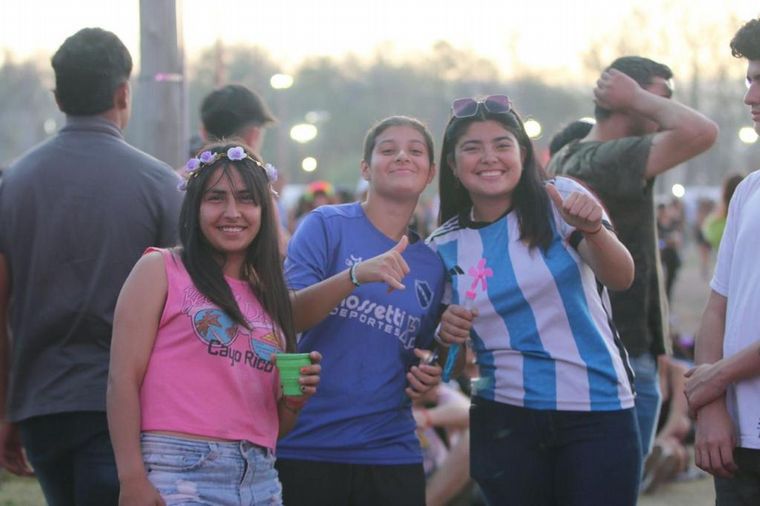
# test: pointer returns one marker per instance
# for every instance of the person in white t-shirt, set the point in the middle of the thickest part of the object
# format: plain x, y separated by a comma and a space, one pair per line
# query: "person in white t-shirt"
724, 389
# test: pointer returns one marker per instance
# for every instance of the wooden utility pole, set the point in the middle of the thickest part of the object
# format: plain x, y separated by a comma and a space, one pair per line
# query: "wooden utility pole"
160, 106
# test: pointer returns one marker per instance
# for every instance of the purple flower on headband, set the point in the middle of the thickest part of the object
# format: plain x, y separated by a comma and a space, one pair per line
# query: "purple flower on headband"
271, 171
192, 165
207, 157
181, 185
236, 153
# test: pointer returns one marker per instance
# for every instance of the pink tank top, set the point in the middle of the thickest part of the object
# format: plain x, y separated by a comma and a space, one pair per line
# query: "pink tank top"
207, 375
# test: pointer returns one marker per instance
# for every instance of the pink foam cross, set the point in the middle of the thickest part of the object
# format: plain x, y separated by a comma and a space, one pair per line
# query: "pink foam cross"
479, 275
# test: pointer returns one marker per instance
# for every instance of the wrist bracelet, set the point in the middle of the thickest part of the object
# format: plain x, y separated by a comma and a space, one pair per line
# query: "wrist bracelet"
437, 337
352, 274
594, 232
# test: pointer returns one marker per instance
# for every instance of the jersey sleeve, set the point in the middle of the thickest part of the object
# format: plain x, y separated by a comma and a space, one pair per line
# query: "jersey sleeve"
307, 258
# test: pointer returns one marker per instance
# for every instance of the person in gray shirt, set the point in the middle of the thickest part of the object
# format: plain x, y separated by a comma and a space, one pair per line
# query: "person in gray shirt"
76, 213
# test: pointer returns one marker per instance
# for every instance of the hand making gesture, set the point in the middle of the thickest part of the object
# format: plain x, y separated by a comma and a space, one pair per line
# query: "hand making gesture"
389, 267
578, 210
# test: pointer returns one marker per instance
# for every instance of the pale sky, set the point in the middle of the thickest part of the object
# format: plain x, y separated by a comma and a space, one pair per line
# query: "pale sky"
542, 35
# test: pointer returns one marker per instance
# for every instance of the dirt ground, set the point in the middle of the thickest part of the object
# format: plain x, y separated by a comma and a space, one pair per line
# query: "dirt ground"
689, 297
690, 493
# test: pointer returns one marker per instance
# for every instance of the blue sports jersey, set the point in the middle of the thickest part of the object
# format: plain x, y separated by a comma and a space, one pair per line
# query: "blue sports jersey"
543, 336
360, 413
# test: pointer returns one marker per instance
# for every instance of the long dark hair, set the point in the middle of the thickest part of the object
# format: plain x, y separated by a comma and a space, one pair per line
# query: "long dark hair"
529, 198
261, 267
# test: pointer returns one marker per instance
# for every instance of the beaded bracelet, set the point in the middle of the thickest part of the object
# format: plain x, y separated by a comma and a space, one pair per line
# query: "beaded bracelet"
584, 232
352, 274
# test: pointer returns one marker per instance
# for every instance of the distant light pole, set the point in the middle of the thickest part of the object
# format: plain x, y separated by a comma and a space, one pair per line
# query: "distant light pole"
747, 135
160, 106
50, 126
678, 190
303, 132
309, 164
533, 128
280, 83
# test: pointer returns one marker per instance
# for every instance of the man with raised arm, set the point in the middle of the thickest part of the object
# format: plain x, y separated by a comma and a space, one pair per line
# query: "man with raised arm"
640, 132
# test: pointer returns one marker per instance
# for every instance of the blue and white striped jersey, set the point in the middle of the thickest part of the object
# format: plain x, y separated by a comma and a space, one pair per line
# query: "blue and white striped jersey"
543, 337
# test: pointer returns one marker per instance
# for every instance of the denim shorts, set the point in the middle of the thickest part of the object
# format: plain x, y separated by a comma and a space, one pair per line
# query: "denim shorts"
194, 472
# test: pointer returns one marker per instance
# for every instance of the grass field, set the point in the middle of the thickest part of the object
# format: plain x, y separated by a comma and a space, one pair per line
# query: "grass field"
16, 491
689, 299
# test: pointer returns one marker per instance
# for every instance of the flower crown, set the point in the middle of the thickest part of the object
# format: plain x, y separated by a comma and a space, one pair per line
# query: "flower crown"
235, 154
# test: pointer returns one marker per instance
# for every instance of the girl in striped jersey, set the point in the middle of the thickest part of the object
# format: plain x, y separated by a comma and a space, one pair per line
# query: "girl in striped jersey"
552, 419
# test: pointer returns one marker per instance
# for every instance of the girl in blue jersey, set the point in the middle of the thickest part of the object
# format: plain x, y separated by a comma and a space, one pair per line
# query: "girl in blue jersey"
367, 293
552, 419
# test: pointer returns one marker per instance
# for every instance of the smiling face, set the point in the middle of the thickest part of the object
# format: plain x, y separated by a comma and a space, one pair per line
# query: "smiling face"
229, 217
487, 160
399, 167
752, 97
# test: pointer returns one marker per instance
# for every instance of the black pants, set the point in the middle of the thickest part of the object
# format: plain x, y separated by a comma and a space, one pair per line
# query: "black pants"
72, 457
310, 483
528, 457
744, 488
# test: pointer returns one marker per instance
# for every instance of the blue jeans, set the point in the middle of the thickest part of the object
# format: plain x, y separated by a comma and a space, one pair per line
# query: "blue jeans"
523, 456
72, 457
189, 471
648, 398
744, 488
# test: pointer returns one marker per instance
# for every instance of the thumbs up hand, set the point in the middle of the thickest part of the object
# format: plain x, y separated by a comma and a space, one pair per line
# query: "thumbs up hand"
389, 267
579, 210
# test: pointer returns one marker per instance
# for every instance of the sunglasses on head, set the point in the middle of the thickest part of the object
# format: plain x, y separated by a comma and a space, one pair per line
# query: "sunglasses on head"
468, 107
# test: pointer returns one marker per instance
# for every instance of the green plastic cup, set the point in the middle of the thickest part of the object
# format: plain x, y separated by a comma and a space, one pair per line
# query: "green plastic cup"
289, 365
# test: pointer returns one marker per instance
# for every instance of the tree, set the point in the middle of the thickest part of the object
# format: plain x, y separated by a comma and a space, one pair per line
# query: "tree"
707, 77
27, 108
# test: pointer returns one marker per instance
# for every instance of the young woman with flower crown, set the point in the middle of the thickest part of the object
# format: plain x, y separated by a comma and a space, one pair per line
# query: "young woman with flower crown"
552, 419
194, 406
367, 294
